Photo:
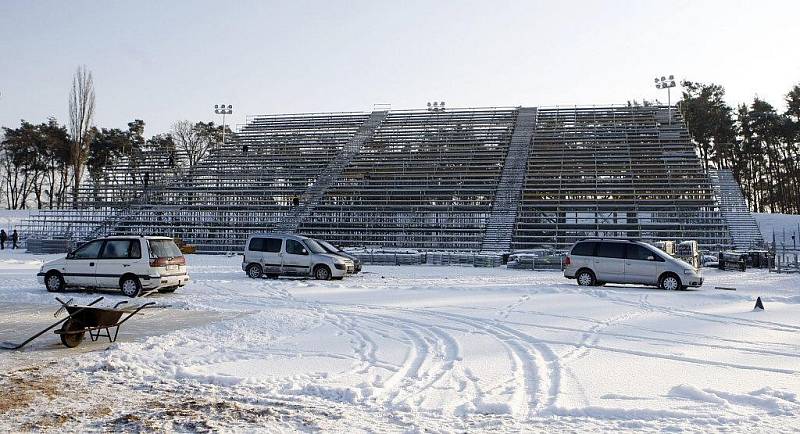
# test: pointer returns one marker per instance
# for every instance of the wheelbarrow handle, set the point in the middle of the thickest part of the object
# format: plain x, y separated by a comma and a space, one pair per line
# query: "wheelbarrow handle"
135, 312
51, 327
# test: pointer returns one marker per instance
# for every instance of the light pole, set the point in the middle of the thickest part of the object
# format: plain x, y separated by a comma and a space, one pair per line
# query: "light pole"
223, 110
436, 107
667, 83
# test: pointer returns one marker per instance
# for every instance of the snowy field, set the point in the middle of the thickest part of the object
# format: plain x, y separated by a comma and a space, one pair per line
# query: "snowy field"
414, 349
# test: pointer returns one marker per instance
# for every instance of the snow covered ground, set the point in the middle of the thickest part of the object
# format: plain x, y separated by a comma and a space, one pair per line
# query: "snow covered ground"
419, 348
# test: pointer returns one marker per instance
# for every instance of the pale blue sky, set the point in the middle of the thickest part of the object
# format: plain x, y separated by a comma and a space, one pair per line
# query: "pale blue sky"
163, 61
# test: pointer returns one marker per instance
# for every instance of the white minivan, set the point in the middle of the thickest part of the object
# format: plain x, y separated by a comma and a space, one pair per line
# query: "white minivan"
598, 261
277, 254
131, 263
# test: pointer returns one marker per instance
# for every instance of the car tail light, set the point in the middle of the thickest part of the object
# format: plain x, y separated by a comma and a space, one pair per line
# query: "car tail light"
163, 262
566, 261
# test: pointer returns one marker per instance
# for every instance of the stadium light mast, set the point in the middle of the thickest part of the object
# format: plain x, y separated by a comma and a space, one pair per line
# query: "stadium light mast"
222, 109
667, 83
436, 106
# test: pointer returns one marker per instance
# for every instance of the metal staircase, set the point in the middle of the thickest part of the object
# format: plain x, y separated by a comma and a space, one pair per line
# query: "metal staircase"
332, 172
741, 224
500, 224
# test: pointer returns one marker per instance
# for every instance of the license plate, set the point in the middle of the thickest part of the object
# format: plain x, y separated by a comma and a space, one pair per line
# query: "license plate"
172, 267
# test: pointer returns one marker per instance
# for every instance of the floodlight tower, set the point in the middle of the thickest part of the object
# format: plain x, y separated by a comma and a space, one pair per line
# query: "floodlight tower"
436, 106
667, 83
223, 110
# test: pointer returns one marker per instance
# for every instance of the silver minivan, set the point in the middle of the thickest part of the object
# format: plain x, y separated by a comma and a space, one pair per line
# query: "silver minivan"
277, 254
598, 261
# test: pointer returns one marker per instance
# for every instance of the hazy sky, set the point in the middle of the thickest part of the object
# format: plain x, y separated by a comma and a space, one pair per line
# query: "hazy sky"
163, 61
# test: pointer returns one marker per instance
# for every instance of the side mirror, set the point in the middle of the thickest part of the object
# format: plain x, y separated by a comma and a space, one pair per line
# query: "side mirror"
70, 254
305, 252
651, 258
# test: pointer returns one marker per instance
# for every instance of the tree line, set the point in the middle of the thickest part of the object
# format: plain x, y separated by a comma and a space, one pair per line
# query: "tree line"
758, 143
43, 165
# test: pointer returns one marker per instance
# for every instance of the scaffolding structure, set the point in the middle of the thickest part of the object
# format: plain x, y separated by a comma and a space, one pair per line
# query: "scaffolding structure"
617, 172
470, 180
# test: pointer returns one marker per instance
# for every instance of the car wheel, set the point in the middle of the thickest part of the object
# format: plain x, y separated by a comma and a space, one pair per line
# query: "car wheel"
585, 278
254, 271
54, 282
130, 286
322, 272
670, 282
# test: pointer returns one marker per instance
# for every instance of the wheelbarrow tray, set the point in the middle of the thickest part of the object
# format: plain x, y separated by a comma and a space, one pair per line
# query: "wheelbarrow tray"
90, 317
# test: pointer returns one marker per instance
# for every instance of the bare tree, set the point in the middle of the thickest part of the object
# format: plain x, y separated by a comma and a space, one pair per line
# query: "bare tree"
81, 112
191, 140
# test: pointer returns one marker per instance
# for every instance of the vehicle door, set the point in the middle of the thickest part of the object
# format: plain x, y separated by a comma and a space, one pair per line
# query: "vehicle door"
641, 265
80, 267
609, 264
116, 259
254, 252
296, 258
582, 255
271, 261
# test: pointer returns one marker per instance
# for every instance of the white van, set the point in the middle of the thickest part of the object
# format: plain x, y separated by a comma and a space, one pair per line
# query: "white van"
276, 255
130, 263
597, 261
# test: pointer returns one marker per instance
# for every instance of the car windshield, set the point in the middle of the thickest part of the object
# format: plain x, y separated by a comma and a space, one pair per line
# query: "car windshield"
164, 249
313, 246
328, 246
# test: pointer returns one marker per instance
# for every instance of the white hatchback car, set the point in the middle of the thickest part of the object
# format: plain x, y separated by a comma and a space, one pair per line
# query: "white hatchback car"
130, 263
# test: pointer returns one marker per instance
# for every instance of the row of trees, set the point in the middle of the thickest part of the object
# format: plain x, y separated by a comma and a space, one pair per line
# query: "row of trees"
42, 165
760, 145
37, 161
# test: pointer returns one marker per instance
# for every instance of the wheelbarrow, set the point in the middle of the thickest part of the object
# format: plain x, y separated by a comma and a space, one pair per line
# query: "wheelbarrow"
98, 321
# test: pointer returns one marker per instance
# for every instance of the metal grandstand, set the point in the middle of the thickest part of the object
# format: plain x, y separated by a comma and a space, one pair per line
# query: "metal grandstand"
480, 179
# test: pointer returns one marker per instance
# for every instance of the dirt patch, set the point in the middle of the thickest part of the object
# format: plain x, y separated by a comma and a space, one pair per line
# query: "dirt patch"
23, 387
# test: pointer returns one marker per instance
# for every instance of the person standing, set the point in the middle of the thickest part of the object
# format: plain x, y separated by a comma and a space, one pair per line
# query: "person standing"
3, 239
14, 239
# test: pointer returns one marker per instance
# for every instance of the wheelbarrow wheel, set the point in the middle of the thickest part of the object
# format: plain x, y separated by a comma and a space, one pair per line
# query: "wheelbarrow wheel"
71, 340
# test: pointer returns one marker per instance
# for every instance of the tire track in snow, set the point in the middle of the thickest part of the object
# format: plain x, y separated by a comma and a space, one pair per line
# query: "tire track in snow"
701, 316
537, 367
431, 357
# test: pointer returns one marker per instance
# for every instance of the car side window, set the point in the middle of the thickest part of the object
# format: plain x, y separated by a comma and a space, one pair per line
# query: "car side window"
89, 250
256, 245
272, 245
116, 249
295, 248
585, 248
135, 251
611, 250
639, 253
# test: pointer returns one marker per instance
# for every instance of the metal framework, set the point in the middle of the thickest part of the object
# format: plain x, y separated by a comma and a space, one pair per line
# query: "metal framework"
483, 179
615, 172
